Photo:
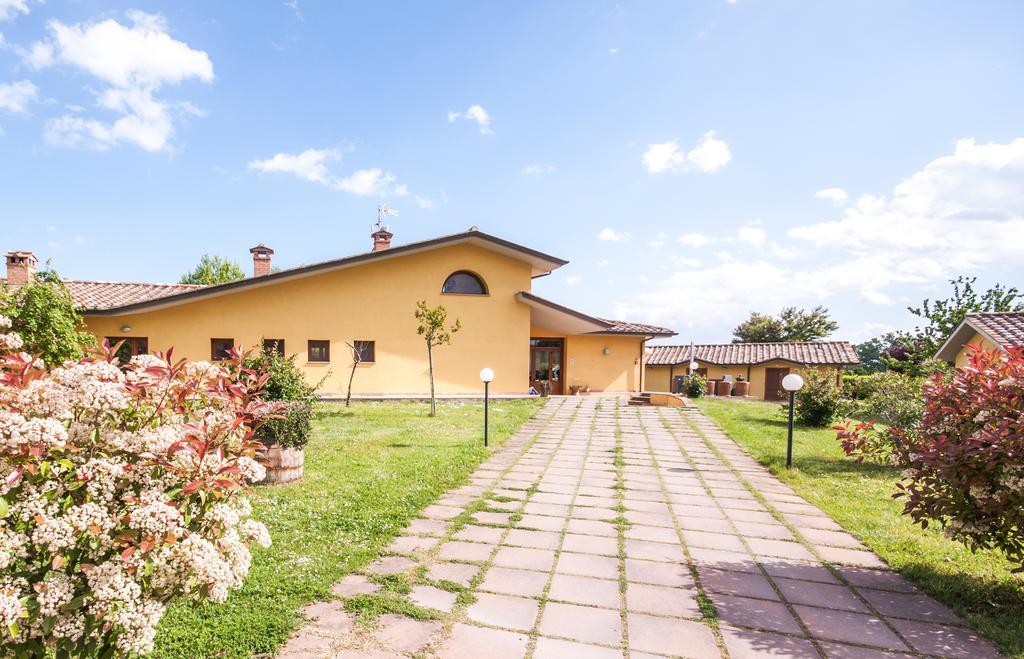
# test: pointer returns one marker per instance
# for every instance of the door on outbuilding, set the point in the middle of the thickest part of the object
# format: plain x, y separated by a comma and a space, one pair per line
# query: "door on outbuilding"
773, 383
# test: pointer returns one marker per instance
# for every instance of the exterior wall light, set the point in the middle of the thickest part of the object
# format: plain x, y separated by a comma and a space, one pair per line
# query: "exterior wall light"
486, 376
791, 383
607, 351
126, 328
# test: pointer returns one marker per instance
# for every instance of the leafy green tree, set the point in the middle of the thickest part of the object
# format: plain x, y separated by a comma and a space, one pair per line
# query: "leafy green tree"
943, 316
792, 325
432, 329
871, 355
44, 314
213, 270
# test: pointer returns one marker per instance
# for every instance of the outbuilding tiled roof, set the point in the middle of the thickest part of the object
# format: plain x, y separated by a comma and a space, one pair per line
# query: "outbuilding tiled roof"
112, 294
1005, 328
810, 352
625, 327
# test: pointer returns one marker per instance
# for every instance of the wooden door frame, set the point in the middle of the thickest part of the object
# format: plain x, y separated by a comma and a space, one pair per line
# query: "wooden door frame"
564, 365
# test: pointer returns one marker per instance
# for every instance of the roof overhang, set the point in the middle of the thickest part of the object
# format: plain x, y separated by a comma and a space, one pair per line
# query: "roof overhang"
958, 339
556, 318
540, 264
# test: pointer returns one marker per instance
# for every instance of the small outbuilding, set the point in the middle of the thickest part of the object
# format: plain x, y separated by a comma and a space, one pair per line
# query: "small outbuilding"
992, 330
761, 365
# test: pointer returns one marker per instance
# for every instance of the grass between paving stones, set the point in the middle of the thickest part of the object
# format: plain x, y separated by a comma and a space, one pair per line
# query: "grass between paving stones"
977, 585
369, 470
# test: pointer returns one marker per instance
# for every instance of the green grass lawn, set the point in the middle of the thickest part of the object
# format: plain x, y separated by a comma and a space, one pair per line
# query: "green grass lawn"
369, 469
979, 586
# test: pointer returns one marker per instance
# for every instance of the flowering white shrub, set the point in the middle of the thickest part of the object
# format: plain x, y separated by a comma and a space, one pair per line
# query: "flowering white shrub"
123, 488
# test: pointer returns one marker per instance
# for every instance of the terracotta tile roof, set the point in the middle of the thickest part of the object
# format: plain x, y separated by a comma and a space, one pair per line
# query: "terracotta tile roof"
625, 327
112, 294
811, 352
1006, 328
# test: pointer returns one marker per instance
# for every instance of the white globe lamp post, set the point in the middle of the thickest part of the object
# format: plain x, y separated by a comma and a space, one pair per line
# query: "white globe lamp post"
792, 384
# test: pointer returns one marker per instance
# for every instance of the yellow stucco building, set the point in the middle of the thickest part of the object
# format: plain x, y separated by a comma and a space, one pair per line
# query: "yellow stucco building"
368, 301
992, 331
761, 365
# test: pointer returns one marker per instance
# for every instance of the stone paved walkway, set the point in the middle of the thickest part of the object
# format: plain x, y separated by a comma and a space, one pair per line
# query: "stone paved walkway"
601, 530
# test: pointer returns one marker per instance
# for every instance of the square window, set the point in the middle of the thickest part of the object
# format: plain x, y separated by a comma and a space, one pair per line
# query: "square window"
319, 351
274, 345
219, 348
132, 346
366, 350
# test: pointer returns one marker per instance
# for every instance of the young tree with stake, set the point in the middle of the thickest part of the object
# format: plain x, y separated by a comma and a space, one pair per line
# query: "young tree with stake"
432, 329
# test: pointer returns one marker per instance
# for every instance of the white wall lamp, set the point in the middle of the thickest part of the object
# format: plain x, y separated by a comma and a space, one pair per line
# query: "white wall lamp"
126, 328
606, 351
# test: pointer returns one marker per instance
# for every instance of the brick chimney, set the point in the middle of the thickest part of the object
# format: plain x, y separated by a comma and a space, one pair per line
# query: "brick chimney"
381, 238
21, 267
261, 260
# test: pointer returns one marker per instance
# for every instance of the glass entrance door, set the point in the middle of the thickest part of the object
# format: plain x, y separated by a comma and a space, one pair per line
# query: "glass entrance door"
546, 365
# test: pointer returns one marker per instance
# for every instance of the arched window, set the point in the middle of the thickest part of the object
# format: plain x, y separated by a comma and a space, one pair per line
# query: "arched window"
464, 283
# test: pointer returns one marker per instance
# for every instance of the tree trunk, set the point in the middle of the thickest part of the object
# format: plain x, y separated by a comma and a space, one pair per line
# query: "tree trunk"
430, 367
351, 376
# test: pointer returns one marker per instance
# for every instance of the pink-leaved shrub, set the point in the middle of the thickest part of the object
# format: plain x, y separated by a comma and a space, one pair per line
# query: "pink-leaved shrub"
964, 461
123, 488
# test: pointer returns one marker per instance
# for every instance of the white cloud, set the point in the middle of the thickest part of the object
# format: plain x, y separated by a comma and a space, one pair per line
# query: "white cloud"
613, 51
709, 155
603, 263
695, 239
659, 240
426, 203
611, 235
876, 297
837, 196
294, 6
136, 61
311, 164
473, 113
572, 280
685, 261
9, 9
15, 96
752, 234
537, 171
366, 182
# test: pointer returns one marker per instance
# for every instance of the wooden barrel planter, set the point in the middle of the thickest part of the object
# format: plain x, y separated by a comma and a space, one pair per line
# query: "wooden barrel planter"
742, 388
723, 388
284, 464
710, 388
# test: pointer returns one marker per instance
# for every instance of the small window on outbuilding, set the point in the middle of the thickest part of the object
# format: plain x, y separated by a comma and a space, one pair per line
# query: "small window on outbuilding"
464, 283
366, 350
319, 351
219, 349
274, 345
131, 346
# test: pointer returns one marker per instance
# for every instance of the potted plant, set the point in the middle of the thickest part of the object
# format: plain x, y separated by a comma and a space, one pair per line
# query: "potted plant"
742, 387
286, 434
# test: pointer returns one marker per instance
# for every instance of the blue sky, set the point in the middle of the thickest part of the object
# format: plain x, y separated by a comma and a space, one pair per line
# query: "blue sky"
694, 161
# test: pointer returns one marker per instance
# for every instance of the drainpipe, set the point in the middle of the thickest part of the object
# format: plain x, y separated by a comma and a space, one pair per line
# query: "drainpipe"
643, 347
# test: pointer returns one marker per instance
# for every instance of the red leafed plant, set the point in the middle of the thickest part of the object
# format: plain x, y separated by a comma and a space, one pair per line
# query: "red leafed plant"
123, 489
964, 461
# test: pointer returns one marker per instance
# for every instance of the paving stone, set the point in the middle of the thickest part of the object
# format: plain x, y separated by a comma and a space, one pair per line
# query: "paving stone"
657, 573
581, 623
391, 565
515, 582
591, 527
829, 596
944, 640
354, 584
780, 548
724, 560
751, 644
599, 514
842, 651
587, 565
728, 542
465, 551
460, 573
405, 634
789, 569
585, 590
550, 509
553, 648
749, 612
830, 538
504, 611
407, 544
487, 517
329, 618
662, 600
854, 557
758, 530
307, 644
669, 636
877, 579
468, 642
737, 583
440, 512
848, 627
655, 551
590, 544
433, 598
533, 539
908, 605
427, 527
525, 559
542, 523
474, 533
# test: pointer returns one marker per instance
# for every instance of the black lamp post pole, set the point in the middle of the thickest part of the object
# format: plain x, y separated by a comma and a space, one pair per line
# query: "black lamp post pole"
789, 442
487, 386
